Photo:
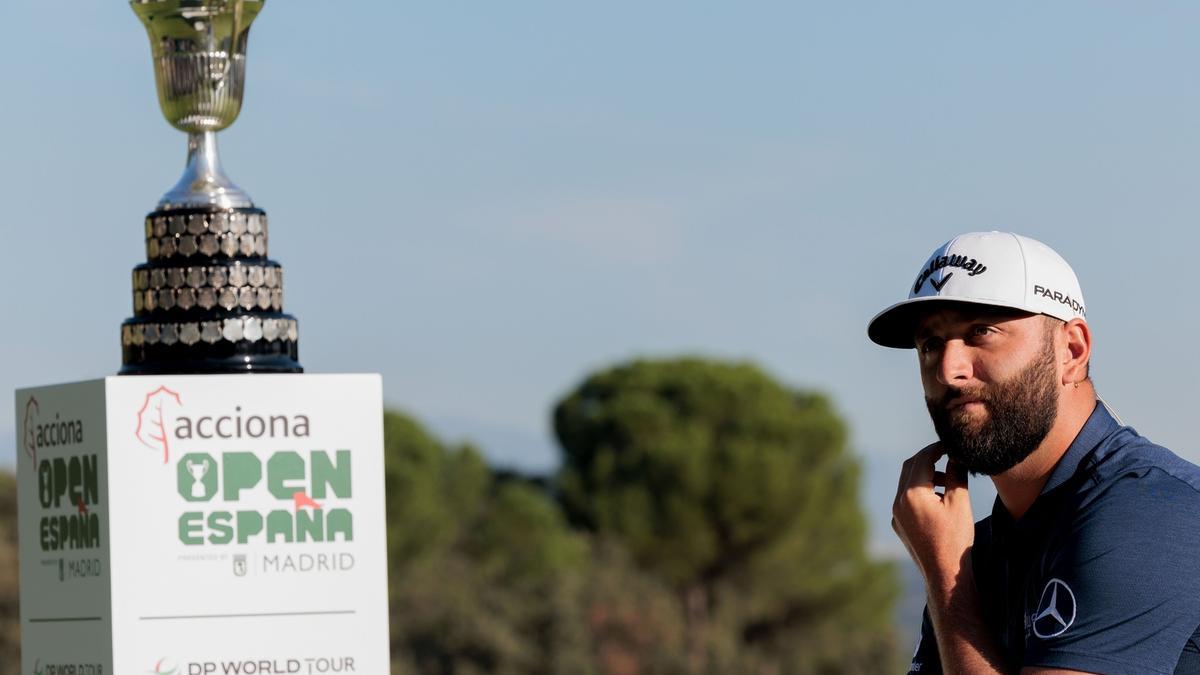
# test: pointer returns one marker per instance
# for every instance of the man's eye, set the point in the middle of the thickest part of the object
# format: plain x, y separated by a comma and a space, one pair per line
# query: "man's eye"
980, 331
929, 346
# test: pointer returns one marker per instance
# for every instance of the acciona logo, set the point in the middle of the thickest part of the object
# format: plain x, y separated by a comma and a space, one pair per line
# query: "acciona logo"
229, 492
39, 433
29, 438
163, 418
151, 428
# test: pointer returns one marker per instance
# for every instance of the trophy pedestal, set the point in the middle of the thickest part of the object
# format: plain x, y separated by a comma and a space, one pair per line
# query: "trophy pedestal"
197, 524
208, 299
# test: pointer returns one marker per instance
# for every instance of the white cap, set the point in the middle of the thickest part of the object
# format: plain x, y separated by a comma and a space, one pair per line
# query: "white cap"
1001, 269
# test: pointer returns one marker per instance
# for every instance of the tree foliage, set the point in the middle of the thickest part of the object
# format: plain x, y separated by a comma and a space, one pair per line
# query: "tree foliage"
741, 495
10, 626
483, 573
634, 621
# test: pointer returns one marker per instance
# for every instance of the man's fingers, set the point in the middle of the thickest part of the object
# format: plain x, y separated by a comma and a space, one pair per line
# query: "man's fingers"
934, 526
921, 472
956, 476
956, 484
917, 472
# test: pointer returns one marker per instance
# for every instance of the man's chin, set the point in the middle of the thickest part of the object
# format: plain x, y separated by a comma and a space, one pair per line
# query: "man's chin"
968, 418
967, 461
981, 460
962, 446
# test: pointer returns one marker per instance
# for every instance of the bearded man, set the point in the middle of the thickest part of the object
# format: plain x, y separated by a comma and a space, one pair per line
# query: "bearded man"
1090, 560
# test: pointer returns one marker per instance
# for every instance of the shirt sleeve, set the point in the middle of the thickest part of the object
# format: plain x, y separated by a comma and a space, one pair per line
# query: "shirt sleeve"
1120, 592
926, 658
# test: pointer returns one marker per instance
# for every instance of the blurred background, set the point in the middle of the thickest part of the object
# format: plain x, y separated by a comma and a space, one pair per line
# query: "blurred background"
615, 264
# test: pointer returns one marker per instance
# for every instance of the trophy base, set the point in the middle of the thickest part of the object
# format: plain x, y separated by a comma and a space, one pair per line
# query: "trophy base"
208, 300
203, 358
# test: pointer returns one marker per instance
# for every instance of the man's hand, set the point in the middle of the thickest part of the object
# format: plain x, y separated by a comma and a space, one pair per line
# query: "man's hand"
937, 529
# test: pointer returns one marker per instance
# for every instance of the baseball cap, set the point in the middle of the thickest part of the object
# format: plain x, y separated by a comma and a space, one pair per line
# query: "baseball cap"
1000, 269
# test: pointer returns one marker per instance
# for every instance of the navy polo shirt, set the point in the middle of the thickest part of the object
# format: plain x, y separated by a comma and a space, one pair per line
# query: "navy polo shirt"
1102, 574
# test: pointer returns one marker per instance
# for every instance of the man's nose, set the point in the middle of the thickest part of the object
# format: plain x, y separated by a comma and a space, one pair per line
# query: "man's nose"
955, 365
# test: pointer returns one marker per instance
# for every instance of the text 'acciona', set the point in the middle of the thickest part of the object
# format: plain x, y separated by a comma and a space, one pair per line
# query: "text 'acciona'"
238, 425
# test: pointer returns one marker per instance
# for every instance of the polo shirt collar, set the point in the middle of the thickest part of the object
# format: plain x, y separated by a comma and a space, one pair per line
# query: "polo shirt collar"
1100, 424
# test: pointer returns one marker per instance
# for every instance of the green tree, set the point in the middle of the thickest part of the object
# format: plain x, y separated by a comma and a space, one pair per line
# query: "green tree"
484, 573
634, 622
10, 626
742, 496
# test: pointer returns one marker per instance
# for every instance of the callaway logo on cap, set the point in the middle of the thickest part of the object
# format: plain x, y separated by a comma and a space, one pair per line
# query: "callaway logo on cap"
987, 268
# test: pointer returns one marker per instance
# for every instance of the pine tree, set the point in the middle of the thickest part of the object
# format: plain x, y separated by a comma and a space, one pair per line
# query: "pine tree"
742, 496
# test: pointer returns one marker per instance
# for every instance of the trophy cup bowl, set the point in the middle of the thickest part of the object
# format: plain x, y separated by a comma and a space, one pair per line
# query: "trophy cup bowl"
208, 299
199, 50
199, 53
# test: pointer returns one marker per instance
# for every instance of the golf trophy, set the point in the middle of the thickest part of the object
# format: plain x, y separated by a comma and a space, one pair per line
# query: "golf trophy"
212, 508
208, 299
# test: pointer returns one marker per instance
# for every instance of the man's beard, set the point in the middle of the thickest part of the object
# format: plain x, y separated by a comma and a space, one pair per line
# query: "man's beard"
1020, 413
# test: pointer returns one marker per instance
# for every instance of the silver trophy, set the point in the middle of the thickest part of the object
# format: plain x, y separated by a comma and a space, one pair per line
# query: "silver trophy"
208, 299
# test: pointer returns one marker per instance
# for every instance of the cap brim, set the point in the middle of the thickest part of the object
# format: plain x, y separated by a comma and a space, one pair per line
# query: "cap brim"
896, 326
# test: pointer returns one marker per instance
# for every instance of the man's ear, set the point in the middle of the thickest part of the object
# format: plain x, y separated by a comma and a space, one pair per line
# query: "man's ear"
1076, 352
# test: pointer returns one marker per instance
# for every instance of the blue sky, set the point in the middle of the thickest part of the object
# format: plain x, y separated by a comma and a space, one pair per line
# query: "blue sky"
484, 202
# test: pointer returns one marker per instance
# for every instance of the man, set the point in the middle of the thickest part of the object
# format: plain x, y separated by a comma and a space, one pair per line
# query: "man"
1090, 560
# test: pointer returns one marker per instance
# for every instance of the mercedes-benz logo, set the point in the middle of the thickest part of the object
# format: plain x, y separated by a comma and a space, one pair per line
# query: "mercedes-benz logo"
1055, 611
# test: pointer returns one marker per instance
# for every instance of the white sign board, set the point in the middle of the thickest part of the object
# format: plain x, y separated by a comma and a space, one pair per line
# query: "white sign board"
195, 525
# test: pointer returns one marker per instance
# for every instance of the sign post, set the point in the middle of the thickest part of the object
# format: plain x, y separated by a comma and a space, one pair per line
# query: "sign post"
203, 524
